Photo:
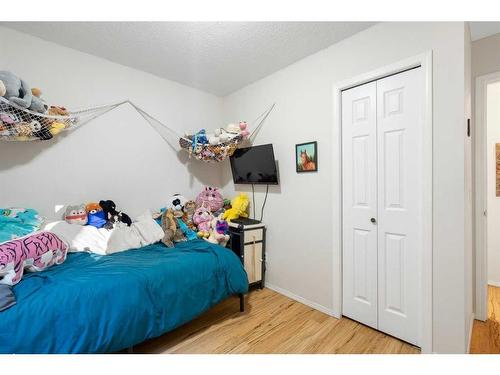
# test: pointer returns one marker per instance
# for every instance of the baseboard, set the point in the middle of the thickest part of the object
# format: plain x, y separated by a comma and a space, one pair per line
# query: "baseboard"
470, 332
494, 283
300, 299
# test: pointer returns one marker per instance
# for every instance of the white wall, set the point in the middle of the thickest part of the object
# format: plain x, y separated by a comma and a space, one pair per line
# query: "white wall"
300, 240
117, 156
486, 55
493, 136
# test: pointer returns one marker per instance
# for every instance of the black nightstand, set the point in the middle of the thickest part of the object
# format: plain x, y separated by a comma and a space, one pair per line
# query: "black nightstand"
248, 241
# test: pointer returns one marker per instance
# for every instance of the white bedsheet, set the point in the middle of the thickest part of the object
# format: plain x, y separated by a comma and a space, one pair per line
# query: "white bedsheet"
143, 231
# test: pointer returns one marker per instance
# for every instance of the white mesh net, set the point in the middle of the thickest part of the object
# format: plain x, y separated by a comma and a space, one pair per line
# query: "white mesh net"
20, 124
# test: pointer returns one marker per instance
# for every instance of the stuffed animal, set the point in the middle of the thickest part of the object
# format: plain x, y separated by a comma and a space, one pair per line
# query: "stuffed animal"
92, 208
172, 233
211, 197
219, 232
243, 129
113, 216
76, 215
95, 215
188, 233
56, 127
176, 202
37, 103
220, 135
57, 111
40, 131
17, 91
23, 129
189, 209
239, 206
233, 128
203, 218
40, 251
96, 219
3, 90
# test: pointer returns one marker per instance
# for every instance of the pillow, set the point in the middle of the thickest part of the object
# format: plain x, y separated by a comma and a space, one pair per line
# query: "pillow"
143, 231
81, 237
35, 253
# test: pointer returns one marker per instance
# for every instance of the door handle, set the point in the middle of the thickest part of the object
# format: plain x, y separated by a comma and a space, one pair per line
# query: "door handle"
373, 220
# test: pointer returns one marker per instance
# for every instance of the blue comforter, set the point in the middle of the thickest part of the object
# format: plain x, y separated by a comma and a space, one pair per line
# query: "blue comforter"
98, 304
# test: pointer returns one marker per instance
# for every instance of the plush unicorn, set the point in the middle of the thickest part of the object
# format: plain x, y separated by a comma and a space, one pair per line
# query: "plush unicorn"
35, 253
203, 218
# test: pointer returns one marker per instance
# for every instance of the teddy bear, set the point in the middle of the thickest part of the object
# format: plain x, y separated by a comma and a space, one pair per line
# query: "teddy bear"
172, 233
202, 218
239, 206
76, 215
113, 216
17, 91
219, 232
211, 197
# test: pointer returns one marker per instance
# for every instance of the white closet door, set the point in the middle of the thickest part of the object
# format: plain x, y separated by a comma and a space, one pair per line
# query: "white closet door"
359, 180
399, 144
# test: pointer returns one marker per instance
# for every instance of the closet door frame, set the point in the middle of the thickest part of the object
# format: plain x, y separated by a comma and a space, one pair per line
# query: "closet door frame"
424, 61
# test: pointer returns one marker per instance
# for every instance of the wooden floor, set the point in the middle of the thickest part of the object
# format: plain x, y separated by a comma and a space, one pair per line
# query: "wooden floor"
486, 335
272, 323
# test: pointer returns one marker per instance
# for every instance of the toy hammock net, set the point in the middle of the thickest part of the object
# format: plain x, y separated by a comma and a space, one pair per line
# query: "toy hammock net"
20, 124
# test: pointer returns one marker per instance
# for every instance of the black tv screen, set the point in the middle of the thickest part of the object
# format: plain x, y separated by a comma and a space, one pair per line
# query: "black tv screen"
254, 165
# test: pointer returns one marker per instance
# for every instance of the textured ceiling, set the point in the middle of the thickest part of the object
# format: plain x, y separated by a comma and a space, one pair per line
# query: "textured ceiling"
479, 30
217, 57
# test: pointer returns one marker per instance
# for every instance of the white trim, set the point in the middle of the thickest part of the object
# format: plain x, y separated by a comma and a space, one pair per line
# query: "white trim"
425, 61
481, 198
471, 327
300, 299
494, 283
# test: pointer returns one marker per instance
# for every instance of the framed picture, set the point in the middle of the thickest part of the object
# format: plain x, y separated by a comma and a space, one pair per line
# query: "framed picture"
306, 157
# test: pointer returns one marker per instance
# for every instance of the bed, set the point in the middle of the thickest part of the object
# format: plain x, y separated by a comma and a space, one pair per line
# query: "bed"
103, 304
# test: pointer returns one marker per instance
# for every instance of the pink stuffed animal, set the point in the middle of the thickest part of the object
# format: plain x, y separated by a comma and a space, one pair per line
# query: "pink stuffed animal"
203, 218
211, 198
243, 129
35, 252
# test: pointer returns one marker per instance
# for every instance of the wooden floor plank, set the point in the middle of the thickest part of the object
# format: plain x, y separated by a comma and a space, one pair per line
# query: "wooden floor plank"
486, 335
273, 323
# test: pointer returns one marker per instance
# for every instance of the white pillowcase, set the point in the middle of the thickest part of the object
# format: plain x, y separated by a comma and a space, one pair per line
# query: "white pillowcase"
144, 231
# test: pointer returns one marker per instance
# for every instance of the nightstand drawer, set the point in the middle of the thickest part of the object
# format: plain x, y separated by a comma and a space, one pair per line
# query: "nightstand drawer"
254, 235
252, 261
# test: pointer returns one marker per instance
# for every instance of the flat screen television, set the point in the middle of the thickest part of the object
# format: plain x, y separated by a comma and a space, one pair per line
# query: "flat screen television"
254, 165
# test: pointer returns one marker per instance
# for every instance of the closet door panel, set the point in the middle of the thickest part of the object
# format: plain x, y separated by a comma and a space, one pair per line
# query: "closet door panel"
359, 261
399, 145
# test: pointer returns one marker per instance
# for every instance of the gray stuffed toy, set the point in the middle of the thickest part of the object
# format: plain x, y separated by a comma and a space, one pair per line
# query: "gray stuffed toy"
17, 91
37, 103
